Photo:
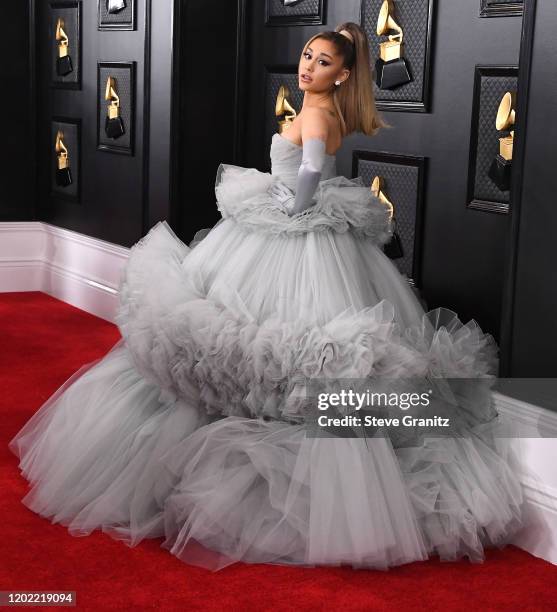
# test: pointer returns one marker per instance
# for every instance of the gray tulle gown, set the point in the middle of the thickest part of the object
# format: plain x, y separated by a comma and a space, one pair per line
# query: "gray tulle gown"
190, 427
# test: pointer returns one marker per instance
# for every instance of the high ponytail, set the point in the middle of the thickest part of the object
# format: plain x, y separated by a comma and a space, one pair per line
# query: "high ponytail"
354, 99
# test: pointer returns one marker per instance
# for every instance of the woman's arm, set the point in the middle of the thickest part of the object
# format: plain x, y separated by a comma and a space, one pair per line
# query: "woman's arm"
315, 130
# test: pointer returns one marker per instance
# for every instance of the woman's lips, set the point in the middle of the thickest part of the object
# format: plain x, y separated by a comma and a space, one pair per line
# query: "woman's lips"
306, 78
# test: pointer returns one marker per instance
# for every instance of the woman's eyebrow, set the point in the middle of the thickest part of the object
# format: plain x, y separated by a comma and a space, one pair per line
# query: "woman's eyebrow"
322, 53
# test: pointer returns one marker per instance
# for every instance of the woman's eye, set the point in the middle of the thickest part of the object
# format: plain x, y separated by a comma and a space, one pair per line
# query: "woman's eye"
308, 56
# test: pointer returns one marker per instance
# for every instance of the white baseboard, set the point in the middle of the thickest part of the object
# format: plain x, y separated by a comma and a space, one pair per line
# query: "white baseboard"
540, 519
72, 267
538, 457
85, 272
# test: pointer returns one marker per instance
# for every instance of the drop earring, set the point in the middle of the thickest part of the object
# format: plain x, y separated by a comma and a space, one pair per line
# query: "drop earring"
337, 83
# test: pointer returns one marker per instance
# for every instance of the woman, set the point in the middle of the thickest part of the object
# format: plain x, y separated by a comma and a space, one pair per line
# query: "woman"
194, 427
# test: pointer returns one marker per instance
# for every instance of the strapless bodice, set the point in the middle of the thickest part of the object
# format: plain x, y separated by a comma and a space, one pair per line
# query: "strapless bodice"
286, 157
340, 204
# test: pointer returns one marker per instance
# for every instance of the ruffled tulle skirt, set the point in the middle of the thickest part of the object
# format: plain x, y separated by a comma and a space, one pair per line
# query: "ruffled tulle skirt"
191, 428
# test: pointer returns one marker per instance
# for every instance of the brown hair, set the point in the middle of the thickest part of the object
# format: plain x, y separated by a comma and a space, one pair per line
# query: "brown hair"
354, 99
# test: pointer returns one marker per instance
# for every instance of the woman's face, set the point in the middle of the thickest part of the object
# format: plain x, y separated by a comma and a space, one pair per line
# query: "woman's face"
322, 66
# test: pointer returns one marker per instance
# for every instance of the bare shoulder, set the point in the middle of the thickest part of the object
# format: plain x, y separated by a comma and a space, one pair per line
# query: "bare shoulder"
315, 123
322, 123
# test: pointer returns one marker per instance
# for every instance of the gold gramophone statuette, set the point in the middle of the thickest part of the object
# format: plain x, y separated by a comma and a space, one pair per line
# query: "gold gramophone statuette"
393, 249
61, 151
63, 171
63, 61
500, 171
392, 48
284, 109
62, 38
377, 190
114, 126
391, 67
505, 119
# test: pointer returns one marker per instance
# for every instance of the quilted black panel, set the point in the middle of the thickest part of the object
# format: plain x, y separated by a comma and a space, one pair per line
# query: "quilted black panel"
491, 85
412, 16
401, 186
123, 75
71, 141
69, 12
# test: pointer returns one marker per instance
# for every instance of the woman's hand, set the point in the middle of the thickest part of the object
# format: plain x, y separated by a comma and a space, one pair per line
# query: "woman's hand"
282, 195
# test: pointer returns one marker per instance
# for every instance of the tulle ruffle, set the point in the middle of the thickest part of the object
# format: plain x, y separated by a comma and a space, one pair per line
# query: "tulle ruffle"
465, 490
341, 205
111, 451
91, 453
182, 333
257, 491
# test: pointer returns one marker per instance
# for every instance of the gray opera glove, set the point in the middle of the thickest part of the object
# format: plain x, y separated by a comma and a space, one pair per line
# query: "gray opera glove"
282, 195
309, 175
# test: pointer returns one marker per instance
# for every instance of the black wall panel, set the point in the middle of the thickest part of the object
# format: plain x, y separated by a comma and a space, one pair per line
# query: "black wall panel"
70, 130
207, 104
491, 83
463, 252
113, 203
124, 79
185, 113
530, 328
17, 156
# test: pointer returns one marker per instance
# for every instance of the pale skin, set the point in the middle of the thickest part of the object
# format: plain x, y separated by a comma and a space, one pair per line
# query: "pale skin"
318, 117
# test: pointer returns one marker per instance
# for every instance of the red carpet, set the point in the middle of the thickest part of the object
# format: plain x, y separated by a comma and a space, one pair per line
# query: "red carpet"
43, 342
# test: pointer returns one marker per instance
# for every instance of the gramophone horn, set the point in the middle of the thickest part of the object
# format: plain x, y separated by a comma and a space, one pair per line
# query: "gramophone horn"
394, 248
386, 22
506, 111
377, 190
283, 107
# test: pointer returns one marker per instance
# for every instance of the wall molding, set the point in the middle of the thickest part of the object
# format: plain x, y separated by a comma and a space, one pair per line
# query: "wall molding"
537, 456
75, 268
519, 157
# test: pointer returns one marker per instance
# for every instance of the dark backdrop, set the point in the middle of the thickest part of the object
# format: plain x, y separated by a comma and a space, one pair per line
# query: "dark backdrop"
18, 132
